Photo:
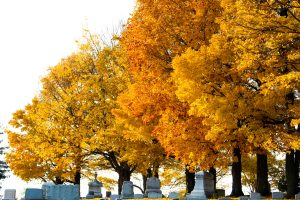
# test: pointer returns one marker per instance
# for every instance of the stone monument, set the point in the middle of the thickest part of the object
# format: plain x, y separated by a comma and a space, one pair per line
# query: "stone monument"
33, 193
127, 190
277, 195
9, 194
95, 188
153, 188
198, 193
209, 185
255, 196
55, 192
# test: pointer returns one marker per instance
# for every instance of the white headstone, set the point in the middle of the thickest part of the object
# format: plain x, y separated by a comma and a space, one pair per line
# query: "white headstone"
198, 193
9, 194
297, 196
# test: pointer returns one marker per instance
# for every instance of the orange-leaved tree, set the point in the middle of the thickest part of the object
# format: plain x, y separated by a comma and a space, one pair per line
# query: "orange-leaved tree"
156, 33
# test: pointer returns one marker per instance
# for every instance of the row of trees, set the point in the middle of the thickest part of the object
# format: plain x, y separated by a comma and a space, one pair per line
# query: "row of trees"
204, 82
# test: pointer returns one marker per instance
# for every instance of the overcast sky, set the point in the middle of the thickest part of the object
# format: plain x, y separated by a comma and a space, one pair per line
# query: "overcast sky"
36, 34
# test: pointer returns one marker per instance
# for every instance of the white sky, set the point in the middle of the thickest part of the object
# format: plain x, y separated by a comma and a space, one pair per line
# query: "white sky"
36, 34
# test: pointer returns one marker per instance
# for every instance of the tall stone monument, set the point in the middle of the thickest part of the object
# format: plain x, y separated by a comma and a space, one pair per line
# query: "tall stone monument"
198, 193
95, 188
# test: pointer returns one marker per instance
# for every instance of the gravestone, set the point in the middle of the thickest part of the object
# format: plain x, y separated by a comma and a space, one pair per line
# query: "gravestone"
243, 198
297, 196
173, 195
127, 190
277, 195
64, 192
209, 184
224, 198
220, 192
198, 193
33, 194
9, 194
95, 188
90, 195
153, 188
45, 187
255, 195
114, 197
108, 193
138, 196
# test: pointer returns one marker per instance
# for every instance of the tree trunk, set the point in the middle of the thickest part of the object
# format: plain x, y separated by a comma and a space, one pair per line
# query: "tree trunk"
213, 171
144, 182
190, 180
155, 170
77, 179
236, 172
124, 175
149, 174
262, 184
292, 172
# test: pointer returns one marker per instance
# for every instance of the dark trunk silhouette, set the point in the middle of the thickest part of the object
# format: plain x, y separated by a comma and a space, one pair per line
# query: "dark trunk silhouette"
262, 184
190, 180
213, 172
124, 175
236, 172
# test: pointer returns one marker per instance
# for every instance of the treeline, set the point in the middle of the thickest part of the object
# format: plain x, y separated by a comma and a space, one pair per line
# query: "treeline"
204, 82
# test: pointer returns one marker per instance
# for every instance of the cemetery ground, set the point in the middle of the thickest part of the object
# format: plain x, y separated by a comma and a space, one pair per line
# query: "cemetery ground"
203, 190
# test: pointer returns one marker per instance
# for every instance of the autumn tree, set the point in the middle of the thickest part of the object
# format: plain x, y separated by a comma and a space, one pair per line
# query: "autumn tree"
3, 166
69, 117
237, 85
267, 40
155, 34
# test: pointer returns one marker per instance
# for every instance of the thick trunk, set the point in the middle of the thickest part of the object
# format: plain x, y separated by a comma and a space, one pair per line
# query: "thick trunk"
149, 174
292, 172
77, 177
262, 184
213, 171
124, 175
236, 172
144, 182
190, 180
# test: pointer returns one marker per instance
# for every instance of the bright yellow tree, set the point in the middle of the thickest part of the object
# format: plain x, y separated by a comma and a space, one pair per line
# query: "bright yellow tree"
242, 84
